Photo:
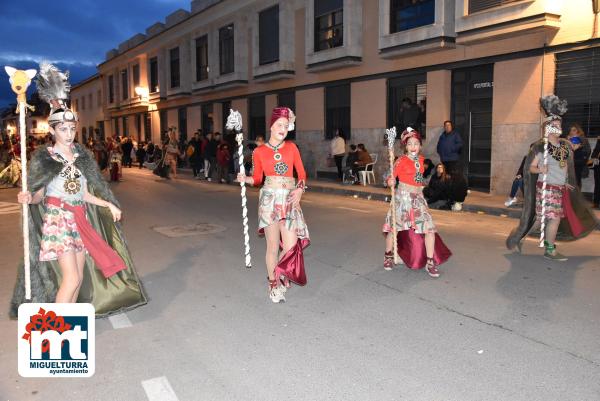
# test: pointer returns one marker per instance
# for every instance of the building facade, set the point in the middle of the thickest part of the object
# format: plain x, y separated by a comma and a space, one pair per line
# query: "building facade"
351, 64
88, 103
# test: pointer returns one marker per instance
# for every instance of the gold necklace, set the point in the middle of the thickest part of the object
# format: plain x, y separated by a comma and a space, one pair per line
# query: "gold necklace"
559, 153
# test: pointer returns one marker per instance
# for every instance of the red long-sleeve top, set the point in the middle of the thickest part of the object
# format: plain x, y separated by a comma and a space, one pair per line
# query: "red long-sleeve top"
265, 164
405, 171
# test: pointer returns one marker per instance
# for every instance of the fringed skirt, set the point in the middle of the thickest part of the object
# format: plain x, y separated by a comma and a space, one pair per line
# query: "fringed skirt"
554, 201
59, 234
273, 207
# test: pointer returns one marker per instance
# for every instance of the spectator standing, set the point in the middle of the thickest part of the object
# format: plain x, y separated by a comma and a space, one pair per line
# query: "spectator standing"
338, 150
126, 147
449, 148
211, 154
140, 154
582, 150
223, 160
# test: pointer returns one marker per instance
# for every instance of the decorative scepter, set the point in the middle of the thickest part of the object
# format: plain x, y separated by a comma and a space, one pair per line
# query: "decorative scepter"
19, 82
234, 122
391, 137
543, 220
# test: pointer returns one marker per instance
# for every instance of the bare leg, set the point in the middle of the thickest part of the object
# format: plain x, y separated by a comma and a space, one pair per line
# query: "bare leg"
429, 244
389, 242
551, 230
288, 237
70, 278
272, 235
80, 256
174, 167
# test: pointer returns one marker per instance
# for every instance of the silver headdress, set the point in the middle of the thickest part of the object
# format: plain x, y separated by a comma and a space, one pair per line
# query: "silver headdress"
53, 87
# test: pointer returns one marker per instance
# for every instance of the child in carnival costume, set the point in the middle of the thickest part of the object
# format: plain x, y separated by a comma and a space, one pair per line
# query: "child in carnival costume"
419, 244
77, 249
280, 217
552, 199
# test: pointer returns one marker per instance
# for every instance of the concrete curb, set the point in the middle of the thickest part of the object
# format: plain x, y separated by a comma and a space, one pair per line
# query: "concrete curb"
360, 194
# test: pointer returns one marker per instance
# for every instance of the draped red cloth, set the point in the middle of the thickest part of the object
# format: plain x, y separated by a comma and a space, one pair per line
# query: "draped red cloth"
291, 265
576, 226
411, 248
107, 259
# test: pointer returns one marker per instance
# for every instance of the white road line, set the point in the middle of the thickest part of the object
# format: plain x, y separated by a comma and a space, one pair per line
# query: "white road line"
354, 210
159, 389
120, 321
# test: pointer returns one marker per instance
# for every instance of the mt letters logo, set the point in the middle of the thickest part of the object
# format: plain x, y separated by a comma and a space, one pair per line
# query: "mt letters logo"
56, 340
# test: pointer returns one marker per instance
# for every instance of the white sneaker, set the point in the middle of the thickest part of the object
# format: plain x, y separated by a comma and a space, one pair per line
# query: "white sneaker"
510, 202
457, 207
276, 295
209, 179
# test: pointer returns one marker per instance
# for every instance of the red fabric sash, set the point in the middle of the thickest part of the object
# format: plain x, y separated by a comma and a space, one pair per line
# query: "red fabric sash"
576, 226
291, 265
107, 259
411, 248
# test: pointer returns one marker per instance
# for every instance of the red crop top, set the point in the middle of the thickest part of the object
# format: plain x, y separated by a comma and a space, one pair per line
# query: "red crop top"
264, 161
406, 172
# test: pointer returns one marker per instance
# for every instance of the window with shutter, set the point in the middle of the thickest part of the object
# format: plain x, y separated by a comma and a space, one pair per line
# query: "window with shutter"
578, 81
480, 5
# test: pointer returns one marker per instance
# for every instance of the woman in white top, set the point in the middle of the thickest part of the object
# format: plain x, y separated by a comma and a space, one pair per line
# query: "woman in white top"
338, 150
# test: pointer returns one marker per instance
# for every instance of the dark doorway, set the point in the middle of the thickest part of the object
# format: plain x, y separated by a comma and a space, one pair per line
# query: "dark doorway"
472, 92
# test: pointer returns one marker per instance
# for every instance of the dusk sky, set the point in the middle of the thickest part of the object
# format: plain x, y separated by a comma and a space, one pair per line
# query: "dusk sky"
74, 35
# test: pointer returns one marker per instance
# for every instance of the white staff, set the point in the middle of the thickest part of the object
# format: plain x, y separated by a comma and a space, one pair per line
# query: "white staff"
19, 81
391, 137
234, 122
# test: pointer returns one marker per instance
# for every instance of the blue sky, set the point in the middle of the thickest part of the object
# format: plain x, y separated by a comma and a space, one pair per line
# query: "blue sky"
74, 35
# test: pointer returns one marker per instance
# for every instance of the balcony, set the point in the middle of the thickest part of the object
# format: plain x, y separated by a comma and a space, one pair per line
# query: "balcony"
417, 27
485, 20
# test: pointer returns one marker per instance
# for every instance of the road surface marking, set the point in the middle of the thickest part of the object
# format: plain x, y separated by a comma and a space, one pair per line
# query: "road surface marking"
354, 210
120, 321
9, 208
159, 389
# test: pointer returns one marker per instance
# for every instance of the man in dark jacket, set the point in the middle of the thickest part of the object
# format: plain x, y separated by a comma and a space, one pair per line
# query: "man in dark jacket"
449, 148
210, 153
126, 147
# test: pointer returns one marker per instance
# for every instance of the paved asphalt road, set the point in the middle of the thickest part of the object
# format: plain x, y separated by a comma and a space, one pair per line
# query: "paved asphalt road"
495, 326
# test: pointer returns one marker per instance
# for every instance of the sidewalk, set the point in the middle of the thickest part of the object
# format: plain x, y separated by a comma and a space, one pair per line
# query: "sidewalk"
476, 202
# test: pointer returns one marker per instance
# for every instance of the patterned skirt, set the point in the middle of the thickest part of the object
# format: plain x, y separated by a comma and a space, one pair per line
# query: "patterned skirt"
273, 207
59, 234
554, 201
411, 211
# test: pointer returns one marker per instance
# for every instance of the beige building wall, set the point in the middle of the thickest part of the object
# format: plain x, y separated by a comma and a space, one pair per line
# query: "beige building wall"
310, 128
93, 112
439, 106
270, 104
516, 114
502, 31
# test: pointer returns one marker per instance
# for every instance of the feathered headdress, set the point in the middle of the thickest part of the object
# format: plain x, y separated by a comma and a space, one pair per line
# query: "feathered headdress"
53, 87
553, 107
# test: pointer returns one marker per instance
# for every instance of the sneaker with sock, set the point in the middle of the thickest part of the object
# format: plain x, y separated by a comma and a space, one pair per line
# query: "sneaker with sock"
510, 201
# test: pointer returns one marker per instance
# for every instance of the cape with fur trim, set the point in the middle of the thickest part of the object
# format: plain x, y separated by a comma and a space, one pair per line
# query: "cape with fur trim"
115, 294
579, 219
